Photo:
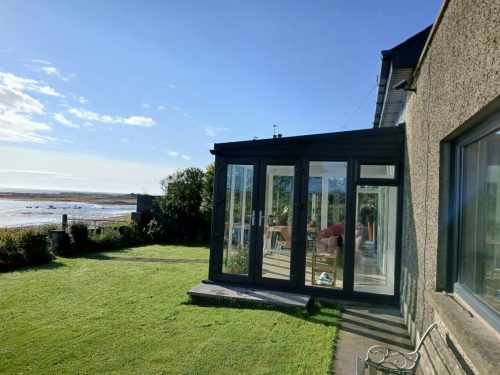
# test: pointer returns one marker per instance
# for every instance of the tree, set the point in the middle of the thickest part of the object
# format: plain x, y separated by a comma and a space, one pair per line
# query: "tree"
186, 203
208, 191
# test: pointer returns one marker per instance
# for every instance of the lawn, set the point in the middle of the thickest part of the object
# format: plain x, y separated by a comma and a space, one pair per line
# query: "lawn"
99, 315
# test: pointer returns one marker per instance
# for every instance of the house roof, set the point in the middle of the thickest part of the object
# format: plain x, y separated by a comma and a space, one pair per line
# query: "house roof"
397, 65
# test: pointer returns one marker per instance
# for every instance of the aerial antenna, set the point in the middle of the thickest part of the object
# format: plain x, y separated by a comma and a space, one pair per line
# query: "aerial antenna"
274, 130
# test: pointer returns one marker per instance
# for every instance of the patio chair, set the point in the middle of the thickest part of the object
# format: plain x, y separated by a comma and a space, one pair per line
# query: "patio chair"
382, 359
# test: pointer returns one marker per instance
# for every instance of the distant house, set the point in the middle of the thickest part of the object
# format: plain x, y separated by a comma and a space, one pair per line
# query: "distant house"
407, 212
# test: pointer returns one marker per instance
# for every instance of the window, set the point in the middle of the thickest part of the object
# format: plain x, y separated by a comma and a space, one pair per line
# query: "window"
478, 225
380, 171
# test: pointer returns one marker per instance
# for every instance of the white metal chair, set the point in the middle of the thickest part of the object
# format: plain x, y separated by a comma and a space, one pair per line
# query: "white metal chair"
380, 358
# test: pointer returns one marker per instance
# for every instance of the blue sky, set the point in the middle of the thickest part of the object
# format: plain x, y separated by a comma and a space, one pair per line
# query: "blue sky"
114, 95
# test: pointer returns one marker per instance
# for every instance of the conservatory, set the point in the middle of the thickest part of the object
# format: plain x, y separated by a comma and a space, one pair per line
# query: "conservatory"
317, 214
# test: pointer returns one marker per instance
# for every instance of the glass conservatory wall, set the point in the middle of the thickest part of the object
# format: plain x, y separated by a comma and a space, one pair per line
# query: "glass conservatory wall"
326, 205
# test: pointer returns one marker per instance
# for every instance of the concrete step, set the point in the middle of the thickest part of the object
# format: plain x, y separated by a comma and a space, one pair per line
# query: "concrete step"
251, 295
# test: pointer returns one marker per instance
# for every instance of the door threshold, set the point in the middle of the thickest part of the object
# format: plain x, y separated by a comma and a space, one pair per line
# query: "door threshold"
249, 295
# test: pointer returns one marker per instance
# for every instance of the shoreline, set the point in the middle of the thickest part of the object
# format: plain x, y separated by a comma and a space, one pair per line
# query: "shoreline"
94, 198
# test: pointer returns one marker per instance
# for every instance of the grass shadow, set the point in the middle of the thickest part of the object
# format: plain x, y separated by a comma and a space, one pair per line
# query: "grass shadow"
316, 311
34, 267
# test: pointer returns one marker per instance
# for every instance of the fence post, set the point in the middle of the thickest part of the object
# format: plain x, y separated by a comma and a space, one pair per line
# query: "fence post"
57, 241
64, 221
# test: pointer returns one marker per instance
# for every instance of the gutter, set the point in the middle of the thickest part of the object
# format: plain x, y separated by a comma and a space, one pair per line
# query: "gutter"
428, 43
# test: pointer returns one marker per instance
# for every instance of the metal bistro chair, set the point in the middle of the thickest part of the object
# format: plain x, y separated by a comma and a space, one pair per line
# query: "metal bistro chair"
380, 358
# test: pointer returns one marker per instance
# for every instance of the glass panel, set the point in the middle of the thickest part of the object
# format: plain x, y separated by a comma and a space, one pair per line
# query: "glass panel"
480, 220
375, 239
377, 171
325, 228
238, 218
278, 214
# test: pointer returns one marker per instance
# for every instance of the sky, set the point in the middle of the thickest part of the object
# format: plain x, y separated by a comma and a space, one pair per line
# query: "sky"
111, 96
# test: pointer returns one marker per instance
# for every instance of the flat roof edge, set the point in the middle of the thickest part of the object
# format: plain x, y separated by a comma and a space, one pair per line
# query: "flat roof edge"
372, 132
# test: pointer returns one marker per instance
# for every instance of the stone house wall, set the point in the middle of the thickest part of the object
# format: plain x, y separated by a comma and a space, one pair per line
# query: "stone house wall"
458, 85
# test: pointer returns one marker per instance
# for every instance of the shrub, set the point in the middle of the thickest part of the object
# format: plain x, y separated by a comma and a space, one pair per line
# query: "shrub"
80, 237
34, 246
107, 239
155, 231
130, 233
9, 251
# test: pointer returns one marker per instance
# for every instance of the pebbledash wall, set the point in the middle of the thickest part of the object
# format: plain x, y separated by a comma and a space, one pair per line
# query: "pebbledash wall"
457, 85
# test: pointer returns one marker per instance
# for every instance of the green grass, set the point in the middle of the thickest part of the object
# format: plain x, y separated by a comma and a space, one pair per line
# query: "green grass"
96, 316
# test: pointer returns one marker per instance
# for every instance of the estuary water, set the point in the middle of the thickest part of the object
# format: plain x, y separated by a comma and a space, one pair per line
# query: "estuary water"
17, 213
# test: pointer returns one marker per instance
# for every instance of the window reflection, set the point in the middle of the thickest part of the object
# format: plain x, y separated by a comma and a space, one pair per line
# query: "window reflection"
479, 269
237, 221
325, 229
375, 239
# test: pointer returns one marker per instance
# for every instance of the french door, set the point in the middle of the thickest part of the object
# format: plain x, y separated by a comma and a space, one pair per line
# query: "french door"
259, 220
328, 227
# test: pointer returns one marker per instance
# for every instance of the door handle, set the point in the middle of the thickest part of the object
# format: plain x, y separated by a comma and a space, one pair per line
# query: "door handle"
261, 218
253, 217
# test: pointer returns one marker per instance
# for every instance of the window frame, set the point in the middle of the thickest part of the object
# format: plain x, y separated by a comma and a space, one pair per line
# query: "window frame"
487, 312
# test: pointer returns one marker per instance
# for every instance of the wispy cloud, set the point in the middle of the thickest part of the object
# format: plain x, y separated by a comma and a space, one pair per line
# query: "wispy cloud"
211, 131
161, 108
175, 108
41, 61
145, 105
173, 87
125, 140
16, 127
39, 173
176, 154
60, 118
85, 114
53, 71
44, 66
20, 83
15, 100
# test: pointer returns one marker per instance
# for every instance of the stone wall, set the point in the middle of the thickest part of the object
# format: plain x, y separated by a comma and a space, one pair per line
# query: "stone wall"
458, 83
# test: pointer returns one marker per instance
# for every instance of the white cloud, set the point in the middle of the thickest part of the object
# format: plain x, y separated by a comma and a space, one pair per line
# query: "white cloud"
82, 100
125, 140
59, 117
20, 83
173, 87
15, 100
53, 71
16, 127
50, 70
84, 114
40, 61
145, 105
161, 108
176, 154
94, 116
211, 131
136, 120
175, 108
107, 119
37, 173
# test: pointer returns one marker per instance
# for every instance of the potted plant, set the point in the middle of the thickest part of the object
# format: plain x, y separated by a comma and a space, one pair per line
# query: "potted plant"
238, 261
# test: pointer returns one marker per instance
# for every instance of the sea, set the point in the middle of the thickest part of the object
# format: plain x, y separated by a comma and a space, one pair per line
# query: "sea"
19, 213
